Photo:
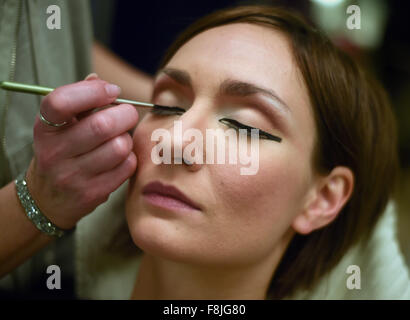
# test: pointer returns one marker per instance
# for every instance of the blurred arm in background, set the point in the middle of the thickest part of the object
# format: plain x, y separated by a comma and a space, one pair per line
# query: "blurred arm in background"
134, 83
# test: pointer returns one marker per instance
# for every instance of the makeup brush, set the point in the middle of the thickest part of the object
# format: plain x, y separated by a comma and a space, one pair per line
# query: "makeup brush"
40, 90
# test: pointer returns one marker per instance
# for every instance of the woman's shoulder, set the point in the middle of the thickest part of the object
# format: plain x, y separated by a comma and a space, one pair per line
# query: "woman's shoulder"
372, 269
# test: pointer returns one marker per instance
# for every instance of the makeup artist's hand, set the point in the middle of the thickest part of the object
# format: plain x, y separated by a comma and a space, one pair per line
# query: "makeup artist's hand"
76, 166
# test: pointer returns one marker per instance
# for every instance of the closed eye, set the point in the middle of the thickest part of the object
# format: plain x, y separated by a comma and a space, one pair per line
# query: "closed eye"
237, 125
166, 110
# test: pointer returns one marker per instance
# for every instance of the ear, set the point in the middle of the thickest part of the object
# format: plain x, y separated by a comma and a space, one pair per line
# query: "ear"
325, 201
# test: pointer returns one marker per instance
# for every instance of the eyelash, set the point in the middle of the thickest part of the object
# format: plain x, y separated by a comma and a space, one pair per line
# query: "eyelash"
165, 110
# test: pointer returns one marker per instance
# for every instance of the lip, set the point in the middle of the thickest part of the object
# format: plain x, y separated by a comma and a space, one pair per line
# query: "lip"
157, 188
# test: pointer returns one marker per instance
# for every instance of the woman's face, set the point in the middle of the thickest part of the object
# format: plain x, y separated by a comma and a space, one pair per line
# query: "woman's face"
241, 218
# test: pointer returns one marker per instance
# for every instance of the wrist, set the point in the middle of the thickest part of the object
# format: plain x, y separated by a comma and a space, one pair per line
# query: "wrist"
33, 212
35, 185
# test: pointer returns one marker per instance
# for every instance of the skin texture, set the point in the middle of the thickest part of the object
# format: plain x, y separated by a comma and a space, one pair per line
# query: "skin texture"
231, 247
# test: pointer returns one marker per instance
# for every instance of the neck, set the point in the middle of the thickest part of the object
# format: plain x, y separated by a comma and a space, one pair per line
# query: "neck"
160, 279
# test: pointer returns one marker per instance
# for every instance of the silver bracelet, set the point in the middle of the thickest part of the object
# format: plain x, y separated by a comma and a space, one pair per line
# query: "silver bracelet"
32, 211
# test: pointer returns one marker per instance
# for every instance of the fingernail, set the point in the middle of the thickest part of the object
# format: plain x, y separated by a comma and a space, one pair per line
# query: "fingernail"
112, 90
91, 76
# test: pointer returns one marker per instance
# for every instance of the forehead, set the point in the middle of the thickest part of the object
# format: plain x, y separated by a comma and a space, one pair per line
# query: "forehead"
246, 51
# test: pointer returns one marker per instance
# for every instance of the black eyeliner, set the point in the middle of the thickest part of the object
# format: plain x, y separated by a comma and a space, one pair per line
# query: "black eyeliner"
163, 110
262, 134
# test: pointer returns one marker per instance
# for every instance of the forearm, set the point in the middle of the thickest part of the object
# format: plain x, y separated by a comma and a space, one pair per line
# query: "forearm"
134, 83
19, 238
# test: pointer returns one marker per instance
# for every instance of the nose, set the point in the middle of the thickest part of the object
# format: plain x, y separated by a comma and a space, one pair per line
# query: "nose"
188, 139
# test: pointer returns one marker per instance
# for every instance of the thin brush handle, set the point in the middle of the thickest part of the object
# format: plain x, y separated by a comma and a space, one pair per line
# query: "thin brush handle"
29, 88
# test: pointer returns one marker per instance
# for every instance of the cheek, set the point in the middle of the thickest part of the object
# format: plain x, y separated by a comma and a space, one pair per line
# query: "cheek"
142, 144
262, 205
279, 179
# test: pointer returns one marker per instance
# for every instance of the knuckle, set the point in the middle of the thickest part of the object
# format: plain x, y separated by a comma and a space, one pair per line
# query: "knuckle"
101, 125
65, 180
49, 157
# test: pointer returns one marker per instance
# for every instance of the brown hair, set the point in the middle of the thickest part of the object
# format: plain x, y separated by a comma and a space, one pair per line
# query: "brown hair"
355, 127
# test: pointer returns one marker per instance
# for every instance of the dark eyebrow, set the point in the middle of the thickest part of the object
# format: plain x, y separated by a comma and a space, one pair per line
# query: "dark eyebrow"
242, 89
228, 86
180, 76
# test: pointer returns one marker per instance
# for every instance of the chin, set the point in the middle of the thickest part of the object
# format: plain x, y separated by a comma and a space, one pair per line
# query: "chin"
174, 240
158, 238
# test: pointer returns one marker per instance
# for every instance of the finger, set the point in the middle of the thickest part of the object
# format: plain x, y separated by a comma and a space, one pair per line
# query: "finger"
85, 114
99, 127
112, 179
50, 124
40, 128
107, 156
65, 102
92, 76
